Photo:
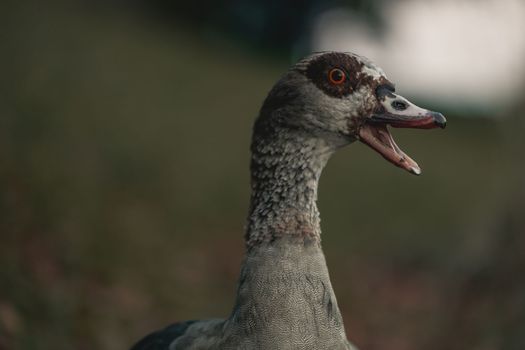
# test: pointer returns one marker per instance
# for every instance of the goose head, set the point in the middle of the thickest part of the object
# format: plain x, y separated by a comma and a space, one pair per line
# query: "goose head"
340, 98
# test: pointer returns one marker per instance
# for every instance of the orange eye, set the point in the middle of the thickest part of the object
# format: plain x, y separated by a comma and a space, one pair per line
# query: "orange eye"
336, 76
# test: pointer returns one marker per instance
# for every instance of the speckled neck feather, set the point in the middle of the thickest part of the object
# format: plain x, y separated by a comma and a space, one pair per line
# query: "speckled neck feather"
285, 171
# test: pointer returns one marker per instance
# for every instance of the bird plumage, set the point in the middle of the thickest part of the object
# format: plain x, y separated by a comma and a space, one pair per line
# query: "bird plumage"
284, 298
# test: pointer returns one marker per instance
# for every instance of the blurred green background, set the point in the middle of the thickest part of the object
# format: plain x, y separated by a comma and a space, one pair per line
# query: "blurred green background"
124, 135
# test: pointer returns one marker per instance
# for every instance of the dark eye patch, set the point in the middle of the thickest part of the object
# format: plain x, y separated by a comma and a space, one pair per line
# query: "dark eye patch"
319, 69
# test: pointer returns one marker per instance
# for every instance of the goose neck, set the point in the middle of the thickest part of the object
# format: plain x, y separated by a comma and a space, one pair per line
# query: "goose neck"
285, 174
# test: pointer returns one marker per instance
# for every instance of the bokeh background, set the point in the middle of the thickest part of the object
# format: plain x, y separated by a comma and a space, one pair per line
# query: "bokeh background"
124, 184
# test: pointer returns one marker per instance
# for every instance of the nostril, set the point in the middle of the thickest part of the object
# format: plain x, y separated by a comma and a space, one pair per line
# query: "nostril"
399, 105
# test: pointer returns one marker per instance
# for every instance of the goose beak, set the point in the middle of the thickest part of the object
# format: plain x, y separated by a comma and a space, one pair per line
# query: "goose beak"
398, 112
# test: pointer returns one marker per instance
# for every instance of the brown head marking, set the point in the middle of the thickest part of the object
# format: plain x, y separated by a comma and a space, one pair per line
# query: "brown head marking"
319, 68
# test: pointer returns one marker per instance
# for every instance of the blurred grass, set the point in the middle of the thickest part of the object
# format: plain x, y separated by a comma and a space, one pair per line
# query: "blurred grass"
124, 172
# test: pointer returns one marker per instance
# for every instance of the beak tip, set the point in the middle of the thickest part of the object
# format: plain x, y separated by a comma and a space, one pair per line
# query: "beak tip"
415, 171
440, 120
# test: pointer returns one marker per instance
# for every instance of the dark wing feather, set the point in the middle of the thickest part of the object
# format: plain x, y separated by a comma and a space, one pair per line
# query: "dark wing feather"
160, 340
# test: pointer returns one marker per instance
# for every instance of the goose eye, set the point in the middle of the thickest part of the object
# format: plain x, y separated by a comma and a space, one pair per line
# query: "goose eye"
336, 76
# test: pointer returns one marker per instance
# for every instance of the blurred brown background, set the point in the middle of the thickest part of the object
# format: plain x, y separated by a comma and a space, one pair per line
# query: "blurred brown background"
124, 134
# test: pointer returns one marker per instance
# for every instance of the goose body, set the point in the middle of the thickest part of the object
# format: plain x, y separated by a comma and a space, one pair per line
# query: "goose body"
285, 299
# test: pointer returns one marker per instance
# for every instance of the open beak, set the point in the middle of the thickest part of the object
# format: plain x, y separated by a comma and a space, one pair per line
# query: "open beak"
398, 112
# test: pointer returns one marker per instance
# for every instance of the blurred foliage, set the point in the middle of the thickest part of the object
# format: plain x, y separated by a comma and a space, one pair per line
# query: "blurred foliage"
124, 174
